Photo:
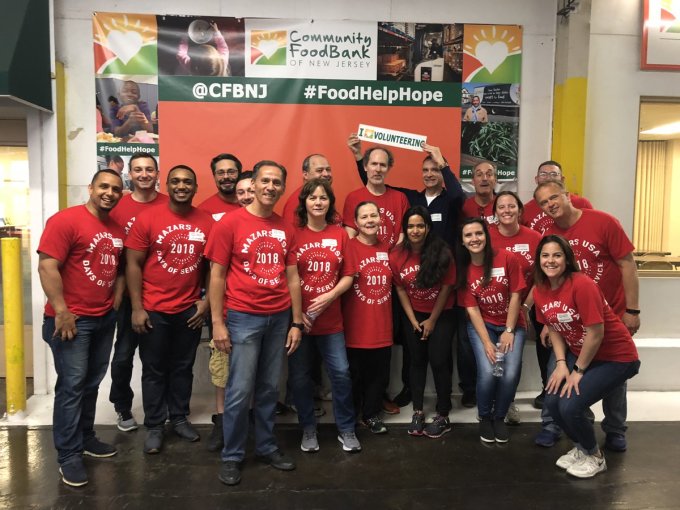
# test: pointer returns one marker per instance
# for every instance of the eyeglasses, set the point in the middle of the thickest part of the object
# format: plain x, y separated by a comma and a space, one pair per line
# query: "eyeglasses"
551, 175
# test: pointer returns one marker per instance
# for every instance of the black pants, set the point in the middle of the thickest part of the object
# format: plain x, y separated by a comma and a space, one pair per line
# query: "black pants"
168, 353
370, 371
465, 356
121, 393
436, 351
542, 353
400, 339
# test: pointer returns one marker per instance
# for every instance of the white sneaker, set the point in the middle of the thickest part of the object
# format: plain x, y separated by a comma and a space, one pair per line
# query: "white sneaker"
588, 466
513, 417
570, 458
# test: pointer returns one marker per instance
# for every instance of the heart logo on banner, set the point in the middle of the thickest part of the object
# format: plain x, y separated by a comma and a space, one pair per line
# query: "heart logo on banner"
124, 44
491, 55
268, 47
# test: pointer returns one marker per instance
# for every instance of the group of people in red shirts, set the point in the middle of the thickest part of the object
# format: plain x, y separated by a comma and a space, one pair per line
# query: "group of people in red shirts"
421, 266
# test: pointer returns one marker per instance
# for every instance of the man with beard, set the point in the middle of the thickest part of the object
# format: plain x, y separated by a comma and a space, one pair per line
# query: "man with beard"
226, 169
165, 273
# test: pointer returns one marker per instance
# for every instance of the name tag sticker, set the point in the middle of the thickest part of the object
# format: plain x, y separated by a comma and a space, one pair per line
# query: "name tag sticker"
278, 234
436, 217
382, 255
218, 216
497, 272
117, 242
196, 236
329, 243
564, 317
521, 247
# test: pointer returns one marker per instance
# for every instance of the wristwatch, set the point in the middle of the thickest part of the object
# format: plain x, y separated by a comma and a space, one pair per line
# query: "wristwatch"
298, 325
510, 330
579, 370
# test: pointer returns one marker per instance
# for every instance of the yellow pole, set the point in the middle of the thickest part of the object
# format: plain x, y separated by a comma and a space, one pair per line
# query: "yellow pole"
14, 325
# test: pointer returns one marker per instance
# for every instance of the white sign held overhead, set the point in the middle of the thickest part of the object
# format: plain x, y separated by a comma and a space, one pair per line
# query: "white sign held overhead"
391, 137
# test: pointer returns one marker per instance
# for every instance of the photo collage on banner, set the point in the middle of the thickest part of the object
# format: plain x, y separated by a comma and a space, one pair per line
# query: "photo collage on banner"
490, 98
283, 89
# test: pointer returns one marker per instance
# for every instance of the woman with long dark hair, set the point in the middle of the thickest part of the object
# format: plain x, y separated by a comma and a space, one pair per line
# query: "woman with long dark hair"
319, 248
490, 284
594, 351
424, 275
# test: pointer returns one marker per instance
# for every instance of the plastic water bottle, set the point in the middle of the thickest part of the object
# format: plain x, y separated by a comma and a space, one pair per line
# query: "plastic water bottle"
499, 365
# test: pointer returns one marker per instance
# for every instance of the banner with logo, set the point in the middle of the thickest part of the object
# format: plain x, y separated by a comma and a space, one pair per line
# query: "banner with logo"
186, 88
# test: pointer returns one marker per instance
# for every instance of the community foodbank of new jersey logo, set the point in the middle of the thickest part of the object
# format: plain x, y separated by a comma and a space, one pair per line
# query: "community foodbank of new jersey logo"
311, 49
268, 47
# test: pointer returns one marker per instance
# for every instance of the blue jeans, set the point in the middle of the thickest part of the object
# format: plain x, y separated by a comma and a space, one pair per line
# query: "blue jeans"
495, 394
124, 348
257, 350
614, 406
300, 366
600, 379
168, 352
81, 365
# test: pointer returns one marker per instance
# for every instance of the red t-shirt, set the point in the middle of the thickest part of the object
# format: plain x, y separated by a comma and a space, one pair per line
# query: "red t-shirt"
534, 217
320, 266
598, 241
494, 299
172, 275
471, 209
579, 303
217, 207
523, 244
392, 206
288, 213
405, 266
128, 209
256, 252
367, 305
89, 251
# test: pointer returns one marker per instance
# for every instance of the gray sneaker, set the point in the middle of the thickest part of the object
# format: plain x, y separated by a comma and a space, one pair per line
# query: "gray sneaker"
349, 441
513, 417
126, 422
309, 442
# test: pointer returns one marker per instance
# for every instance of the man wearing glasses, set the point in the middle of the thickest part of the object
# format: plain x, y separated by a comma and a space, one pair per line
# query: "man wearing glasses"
533, 216
226, 169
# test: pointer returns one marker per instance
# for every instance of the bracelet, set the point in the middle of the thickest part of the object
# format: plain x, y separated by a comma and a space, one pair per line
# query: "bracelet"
560, 360
632, 311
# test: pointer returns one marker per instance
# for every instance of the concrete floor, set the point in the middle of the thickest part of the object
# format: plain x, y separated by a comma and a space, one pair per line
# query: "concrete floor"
395, 471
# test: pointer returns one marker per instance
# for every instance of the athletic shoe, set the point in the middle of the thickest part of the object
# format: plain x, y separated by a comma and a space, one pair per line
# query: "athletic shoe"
349, 441
376, 425
513, 417
588, 466
486, 433
126, 422
570, 458
417, 425
230, 473
93, 447
186, 430
216, 438
309, 441
615, 442
500, 431
439, 426
154, 441
546, 438
73, 472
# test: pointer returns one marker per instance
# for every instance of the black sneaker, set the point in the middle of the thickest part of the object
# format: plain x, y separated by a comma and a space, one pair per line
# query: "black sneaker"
500, 430
185, 430
216, 439
230, 473
376, 425
469, 399
417, 424
73, 472
538, 401
93, 447
486, 433
154, 441
439, 426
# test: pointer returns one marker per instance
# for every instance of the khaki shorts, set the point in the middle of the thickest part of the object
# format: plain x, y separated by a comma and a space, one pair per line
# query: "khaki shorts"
218, 366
